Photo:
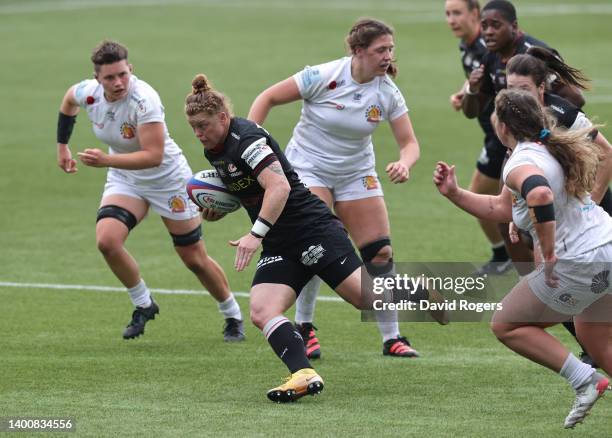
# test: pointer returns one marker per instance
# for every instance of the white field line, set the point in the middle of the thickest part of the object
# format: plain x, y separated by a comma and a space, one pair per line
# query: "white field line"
422, 11
94, 288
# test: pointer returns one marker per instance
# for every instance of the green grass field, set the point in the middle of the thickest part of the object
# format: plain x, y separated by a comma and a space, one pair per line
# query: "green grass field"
61, 352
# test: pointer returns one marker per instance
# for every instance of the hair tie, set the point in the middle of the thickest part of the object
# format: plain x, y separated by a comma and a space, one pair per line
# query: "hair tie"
544, 134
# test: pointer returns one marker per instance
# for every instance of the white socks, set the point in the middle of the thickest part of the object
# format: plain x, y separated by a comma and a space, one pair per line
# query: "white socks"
230, 308
305, 303
576, 372
387, 324
140, 295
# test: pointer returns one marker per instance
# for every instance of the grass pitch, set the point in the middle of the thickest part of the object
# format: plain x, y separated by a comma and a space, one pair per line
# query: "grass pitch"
61, 352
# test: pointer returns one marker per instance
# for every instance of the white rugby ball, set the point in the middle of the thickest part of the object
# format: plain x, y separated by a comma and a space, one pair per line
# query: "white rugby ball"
206, 190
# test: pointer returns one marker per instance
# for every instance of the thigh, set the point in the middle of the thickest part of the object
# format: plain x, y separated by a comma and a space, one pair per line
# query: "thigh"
271, 298
179, 227
484, 184
111, 228
365, 219
281, 269
324, 194
521, 306
490, 162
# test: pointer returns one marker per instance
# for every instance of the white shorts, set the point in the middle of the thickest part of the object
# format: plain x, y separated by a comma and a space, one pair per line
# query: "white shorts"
582, 281
344, 187
168, 197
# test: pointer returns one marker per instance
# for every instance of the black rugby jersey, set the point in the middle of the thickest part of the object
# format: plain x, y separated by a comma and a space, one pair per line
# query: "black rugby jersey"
494, 79
472, 56
562, 110
247, 150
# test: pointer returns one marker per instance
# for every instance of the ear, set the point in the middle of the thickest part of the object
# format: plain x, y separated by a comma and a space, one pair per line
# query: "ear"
95, 75
223, 117
131, 68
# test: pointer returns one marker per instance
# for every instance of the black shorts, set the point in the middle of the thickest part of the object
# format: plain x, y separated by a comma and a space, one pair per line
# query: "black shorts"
492, 157
327, 253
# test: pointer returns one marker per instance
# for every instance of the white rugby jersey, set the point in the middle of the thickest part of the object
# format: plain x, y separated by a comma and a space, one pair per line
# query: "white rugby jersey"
114, 123
581, 225
339, 115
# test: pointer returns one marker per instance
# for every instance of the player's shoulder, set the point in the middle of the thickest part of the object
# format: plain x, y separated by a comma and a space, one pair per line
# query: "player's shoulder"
313, 74
527, 41
87, 87
563, 110
140, 90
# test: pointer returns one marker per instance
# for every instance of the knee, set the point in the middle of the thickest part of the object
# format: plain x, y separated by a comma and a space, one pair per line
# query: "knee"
502, 331
193, 259
384, 255
108, 245
378, 252
258, 315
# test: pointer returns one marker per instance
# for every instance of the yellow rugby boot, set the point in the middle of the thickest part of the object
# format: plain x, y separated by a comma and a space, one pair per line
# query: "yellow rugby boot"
297, 385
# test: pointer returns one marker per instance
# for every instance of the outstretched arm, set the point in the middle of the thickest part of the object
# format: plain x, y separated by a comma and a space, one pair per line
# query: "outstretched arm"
494, 208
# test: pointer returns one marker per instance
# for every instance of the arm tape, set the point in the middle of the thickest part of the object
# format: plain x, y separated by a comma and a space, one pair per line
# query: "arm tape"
531, 182
542, 213
64, 127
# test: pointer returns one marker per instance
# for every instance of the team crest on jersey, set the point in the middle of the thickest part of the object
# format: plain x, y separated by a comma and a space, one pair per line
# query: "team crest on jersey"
128, 131
370, 182
177, 204
312, 255
374, 114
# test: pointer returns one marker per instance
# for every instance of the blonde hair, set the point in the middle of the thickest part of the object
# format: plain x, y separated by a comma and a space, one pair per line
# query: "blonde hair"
527, 120
204, 99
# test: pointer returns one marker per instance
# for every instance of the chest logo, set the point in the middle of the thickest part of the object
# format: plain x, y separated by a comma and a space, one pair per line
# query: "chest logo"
128, 131
374, 114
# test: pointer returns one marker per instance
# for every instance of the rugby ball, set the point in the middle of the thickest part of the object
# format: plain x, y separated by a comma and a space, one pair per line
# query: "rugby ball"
206, 190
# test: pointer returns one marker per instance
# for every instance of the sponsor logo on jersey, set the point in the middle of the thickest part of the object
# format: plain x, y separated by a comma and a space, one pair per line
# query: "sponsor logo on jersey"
374, 114
233, 170
177, 204
370, 182
310, 76
256, 152
99, 125
236, 136
312, 255
128, 131
357, 97
241, 184
268, 261
340, 107
90, 100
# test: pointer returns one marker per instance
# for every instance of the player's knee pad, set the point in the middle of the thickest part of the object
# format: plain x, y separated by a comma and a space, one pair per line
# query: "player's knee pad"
189, 238
119, 213
370, 251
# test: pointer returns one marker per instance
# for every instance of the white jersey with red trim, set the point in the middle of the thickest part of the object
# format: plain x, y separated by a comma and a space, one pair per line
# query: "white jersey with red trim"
581, 225
339, 115
115, 124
